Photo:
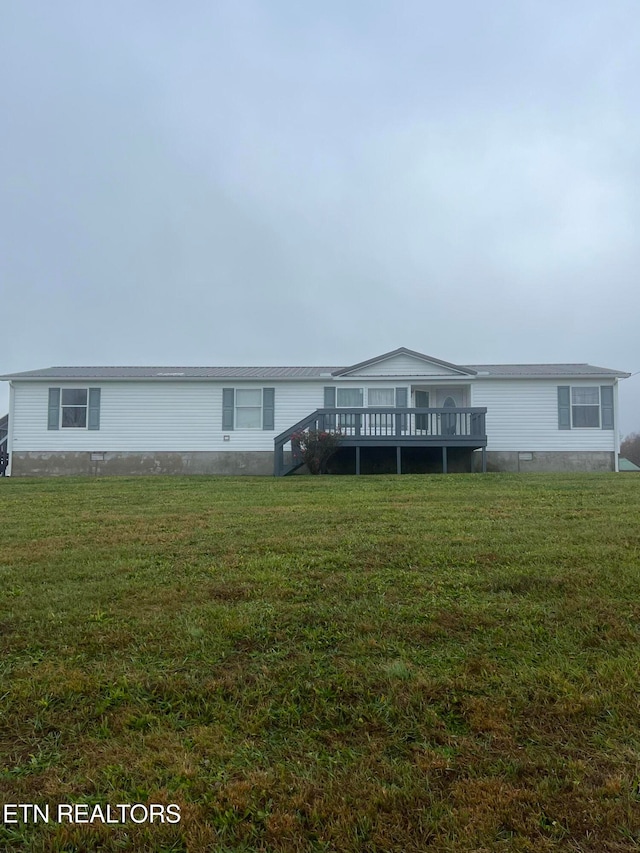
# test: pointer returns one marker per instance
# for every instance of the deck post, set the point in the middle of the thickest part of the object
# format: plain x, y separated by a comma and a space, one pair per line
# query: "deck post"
444, 458
399, 459
357, 458
484, 460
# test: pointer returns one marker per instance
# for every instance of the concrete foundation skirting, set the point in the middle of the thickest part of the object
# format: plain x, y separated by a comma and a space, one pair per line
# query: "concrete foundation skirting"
59, 463
260, 463
546, 461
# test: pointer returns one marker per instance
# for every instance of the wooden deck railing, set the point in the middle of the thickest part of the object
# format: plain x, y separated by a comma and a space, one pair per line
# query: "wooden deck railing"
451, 427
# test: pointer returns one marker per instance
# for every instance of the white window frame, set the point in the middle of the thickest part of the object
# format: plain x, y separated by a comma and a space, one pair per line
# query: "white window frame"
585, 405
236, 407
70, 406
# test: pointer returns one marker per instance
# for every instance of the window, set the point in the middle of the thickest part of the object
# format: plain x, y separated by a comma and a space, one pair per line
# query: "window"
73, 408
585, 407
381, 397
249, 408
350, 398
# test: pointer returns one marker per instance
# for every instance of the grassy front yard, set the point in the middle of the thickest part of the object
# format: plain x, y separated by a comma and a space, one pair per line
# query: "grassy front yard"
324, 664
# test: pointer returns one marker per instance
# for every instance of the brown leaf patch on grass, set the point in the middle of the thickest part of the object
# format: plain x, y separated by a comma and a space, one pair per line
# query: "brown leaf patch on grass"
231, 592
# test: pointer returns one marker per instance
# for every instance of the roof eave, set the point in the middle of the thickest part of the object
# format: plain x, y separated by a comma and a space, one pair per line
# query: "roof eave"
612, 375
18, 377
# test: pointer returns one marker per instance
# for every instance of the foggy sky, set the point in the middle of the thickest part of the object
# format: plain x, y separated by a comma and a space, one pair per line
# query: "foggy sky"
245, 183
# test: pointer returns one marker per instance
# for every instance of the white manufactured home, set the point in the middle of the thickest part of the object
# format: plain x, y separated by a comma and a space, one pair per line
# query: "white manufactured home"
402, 411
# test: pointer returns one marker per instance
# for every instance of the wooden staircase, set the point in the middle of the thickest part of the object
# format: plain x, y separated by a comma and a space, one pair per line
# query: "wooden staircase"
287, 465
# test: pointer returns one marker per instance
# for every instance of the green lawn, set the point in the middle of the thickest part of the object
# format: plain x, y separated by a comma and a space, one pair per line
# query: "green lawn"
324, 664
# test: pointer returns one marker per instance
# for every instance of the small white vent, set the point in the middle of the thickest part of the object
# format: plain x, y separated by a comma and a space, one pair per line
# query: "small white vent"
176, 373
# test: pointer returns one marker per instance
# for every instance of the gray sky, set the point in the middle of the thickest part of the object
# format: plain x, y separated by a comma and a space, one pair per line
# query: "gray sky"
277, 182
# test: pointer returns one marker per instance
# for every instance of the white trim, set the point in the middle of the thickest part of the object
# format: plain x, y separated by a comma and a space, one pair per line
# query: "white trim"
616, 455
10, 429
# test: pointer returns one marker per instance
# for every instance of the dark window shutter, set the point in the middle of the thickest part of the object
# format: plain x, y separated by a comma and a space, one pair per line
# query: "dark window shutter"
402, 401
268, 408
54, 408
330, 403
606, 402
564, 407
228, 398
94, 408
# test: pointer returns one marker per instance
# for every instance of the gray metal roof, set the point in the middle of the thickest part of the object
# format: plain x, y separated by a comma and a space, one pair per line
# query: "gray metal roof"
627, 465
544, 370
177, 373
173, 373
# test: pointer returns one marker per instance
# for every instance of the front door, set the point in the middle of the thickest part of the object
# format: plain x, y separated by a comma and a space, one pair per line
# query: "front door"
449, 421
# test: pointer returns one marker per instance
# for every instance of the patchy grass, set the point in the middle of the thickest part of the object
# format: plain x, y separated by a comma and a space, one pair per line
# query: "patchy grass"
324, 664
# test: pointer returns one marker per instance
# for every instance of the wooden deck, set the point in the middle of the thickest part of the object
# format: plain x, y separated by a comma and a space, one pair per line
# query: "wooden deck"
398, 427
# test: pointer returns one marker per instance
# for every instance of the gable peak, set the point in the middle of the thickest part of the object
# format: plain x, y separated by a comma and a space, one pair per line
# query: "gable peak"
410, 354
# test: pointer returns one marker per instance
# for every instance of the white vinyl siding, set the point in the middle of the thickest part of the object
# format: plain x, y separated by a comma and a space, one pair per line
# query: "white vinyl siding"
167, 416
523, 415
183, 415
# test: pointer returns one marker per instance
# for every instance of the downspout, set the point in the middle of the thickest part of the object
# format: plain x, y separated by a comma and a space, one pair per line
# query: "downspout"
616, 466
10, 430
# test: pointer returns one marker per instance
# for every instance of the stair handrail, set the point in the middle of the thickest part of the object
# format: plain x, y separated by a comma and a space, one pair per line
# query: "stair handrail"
286, 435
